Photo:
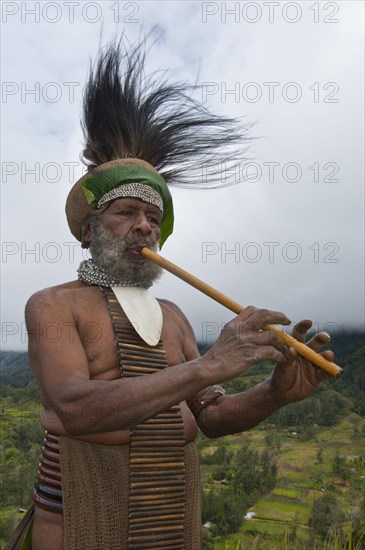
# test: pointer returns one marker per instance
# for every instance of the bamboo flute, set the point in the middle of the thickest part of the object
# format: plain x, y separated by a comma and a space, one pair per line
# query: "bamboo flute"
302, 349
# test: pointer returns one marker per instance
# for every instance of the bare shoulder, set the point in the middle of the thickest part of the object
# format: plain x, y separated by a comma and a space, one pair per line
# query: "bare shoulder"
173, 310
175, 315
55, 296
55, 318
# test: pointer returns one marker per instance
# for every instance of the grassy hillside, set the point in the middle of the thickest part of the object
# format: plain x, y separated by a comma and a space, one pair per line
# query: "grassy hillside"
301, 473
320, 452
306, 472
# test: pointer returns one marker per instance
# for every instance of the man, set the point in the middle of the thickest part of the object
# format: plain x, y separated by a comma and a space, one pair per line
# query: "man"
123, 386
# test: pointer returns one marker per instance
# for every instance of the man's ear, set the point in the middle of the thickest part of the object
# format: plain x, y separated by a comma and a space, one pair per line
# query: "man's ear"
85, 229
86, 235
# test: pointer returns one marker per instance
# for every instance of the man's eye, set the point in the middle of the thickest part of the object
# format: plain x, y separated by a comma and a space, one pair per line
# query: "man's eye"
154, 220
125, 212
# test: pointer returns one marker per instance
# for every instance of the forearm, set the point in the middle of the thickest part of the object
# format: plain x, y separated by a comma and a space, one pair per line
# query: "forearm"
98, 406
231, 414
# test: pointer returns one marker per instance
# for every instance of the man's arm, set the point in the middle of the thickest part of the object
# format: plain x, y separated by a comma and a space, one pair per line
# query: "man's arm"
291, 381
86, 406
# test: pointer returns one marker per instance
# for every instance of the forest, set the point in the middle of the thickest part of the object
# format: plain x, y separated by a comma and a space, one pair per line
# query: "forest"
296, 481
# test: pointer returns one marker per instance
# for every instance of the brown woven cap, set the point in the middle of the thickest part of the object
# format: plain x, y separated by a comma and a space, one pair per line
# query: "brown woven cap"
78, 211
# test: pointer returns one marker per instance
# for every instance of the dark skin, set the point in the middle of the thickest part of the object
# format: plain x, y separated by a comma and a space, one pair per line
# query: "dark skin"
73, 354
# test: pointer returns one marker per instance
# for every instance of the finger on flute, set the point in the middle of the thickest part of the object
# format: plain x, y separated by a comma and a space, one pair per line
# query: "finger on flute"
302, 349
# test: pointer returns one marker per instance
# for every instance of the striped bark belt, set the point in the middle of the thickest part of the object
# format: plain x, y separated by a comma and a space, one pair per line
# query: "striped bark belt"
48, 488
156, 450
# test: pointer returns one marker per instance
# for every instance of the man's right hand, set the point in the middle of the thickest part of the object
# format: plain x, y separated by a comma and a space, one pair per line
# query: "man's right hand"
243, 341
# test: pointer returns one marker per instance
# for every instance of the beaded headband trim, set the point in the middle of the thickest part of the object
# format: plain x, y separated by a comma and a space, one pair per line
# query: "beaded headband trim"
137, 190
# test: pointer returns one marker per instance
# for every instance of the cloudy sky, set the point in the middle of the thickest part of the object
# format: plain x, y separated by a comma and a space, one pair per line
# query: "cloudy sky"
289, 237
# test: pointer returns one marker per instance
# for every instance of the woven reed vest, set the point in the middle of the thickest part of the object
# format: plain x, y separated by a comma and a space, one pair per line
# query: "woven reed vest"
156, 507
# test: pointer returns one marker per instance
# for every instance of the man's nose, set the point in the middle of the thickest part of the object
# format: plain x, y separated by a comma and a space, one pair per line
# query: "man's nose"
141, 224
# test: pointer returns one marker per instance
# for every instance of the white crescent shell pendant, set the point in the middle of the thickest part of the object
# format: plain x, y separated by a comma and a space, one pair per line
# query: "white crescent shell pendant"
143, 311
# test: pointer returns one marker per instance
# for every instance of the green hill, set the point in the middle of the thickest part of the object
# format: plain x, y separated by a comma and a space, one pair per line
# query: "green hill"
305, 462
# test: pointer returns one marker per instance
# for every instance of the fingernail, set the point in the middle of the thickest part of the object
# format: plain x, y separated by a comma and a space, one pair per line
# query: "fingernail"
290, 353
327, 336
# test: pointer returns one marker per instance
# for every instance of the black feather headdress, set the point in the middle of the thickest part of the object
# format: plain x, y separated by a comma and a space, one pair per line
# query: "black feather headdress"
128, 114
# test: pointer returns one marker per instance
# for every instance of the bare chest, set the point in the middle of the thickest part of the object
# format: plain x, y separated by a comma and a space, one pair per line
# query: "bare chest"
100, 344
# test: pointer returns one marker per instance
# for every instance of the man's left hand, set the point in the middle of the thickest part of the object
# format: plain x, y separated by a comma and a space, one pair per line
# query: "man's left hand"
296, 378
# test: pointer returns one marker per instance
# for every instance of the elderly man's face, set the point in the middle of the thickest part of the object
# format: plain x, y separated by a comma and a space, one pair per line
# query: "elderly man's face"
117, 236
129, 216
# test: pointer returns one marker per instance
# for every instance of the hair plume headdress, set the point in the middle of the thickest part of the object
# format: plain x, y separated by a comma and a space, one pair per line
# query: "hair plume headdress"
127, 114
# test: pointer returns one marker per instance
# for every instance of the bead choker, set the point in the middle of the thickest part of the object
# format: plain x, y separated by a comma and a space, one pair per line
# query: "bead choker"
91, 274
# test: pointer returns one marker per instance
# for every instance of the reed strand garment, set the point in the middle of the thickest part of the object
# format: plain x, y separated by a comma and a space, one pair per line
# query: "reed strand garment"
144, 495
156, 504
96, 479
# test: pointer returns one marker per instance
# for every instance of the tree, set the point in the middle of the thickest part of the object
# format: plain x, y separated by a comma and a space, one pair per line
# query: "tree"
319, 455
225, 510
326, 512
340, 468
255, 473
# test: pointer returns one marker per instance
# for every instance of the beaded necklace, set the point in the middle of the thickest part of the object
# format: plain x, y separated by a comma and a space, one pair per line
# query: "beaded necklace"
90, 273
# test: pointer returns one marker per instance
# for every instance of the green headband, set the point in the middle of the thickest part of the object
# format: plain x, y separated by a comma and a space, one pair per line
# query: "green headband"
101, 182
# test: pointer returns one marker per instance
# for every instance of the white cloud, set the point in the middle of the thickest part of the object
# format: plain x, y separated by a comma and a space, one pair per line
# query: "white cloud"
324, 139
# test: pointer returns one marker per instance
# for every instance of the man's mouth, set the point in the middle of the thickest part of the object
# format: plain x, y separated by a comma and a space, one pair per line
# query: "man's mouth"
135, 250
